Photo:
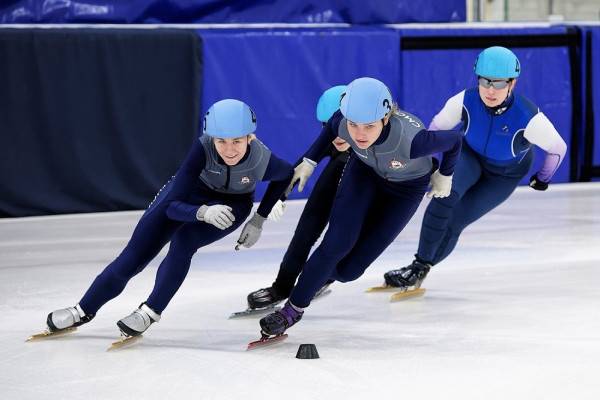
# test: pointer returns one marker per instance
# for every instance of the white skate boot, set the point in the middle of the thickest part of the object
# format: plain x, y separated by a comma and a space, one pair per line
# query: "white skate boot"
138, 321
69, 317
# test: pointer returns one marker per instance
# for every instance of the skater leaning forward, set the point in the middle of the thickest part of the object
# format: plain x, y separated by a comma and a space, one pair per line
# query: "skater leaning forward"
210, 196
387, 174
315, 214
501, 128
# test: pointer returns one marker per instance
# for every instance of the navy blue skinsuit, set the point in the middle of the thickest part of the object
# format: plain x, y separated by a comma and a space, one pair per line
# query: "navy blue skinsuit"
492, 163
380, 190
312, 222
172, 217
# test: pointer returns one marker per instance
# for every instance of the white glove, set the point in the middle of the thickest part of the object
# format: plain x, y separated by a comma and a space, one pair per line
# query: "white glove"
251, 232
277, 211
217, 215
301, 173
440, 185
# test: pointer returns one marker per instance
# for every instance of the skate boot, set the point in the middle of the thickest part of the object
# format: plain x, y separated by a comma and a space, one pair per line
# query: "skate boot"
138, 321
264, 298
278, 322
69, 317
409, 277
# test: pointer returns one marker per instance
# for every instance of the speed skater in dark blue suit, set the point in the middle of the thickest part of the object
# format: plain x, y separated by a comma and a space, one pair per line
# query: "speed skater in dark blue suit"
384, 181
315, 214
210, 196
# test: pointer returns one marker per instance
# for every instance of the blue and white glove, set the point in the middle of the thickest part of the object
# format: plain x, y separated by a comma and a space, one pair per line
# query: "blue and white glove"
218, 215
440, 185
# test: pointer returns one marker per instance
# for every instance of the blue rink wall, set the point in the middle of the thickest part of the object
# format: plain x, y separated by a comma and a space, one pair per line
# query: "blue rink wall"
281, 72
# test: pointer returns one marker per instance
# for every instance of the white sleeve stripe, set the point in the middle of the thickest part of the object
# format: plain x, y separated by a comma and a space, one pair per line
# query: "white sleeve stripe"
451, 114
541, 132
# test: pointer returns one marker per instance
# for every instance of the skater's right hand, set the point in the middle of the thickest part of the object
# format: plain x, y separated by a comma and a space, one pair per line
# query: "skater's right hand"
301, 173
440, 185
277, 211
218, 215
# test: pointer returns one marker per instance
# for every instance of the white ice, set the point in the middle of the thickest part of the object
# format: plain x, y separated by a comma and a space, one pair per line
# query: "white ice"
514, 313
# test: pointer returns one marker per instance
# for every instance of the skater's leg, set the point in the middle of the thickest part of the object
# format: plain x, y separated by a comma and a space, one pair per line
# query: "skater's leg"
152, 232
353, 200
185, 242
312, 222
439, 211
383, 224
487, 194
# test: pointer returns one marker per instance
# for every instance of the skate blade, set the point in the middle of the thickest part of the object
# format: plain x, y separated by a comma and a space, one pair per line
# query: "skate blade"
266, 341
254, 312
321, 295
124, 341
47, 334
382, 288
407, 295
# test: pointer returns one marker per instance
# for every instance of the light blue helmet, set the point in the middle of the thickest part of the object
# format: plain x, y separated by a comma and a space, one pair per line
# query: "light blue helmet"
329, 102
497, 62
366, 100
229, 118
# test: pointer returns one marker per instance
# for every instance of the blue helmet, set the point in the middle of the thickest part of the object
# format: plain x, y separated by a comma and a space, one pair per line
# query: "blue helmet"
366, 100
329, 102
497, 62
229, 118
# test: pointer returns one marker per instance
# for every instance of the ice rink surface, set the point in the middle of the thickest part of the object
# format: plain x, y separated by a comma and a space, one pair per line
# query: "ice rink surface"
513, 313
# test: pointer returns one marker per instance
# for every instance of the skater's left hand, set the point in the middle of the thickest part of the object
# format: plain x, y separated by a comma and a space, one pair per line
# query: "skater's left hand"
277, 211
440, 185
537, 184
251, 232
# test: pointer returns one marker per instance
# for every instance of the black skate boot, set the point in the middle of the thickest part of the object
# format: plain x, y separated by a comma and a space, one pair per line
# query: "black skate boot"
409, 277
264, 298
278, 322
65, 318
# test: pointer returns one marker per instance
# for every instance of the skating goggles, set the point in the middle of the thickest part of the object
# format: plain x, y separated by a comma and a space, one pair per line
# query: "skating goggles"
497, 84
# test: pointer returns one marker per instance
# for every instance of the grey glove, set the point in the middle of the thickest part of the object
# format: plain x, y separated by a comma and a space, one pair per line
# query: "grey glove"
217, 215
302, 172
251, 231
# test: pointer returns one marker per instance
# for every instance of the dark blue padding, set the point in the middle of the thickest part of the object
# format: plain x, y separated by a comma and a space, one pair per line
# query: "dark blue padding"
240, 11
93, 120
282, 73
595, 88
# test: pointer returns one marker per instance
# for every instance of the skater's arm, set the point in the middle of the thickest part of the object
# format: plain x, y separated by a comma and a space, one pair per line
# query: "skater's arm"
182, 211
321, 146
448, 142
279, 172
541, 132
188, 172
450, 115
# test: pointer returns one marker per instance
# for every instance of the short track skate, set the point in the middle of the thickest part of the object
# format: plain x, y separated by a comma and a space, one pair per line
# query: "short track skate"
251, 312
266, 340
400, 295
48, 334
123, 342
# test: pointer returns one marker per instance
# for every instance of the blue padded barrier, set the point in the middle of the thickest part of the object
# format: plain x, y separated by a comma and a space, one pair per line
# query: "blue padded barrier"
282, 73
236, 11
